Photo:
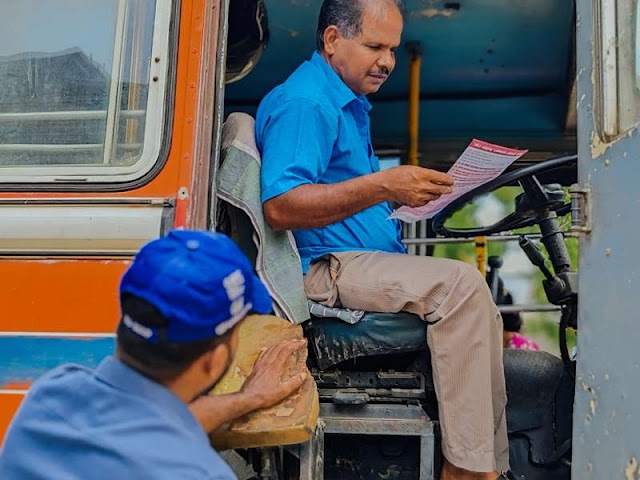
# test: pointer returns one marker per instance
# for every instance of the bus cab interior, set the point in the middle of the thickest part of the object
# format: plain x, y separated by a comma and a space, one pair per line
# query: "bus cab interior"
503, 72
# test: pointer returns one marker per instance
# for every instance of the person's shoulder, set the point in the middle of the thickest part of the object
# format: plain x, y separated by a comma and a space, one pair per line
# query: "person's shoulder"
307, 86
56, 391
61, 377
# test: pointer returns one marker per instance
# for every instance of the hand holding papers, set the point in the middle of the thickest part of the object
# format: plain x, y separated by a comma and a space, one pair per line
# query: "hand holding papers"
480, 163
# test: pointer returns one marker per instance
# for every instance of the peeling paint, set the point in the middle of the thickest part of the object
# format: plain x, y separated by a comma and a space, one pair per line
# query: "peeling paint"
632, 469
437, 12
284, 411
598, 147
592, 401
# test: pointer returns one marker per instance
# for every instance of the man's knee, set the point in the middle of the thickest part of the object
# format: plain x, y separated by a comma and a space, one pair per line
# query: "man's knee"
477, 291
472, 277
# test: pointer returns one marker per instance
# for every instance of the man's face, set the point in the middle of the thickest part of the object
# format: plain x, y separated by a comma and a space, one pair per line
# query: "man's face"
365, 61
231, 347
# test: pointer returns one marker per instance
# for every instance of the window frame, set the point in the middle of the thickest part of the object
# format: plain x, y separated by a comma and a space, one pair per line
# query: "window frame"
157, 134
617, 97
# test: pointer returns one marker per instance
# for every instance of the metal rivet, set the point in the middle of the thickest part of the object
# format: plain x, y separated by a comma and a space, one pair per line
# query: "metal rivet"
607, 252
607, 162
183, 193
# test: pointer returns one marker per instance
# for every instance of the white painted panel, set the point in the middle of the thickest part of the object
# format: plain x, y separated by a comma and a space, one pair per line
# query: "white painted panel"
70, 229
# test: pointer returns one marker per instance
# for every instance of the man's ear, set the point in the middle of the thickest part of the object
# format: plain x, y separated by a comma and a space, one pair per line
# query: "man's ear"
215, 361
331, 36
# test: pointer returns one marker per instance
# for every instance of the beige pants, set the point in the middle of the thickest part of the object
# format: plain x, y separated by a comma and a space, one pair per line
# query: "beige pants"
464, 336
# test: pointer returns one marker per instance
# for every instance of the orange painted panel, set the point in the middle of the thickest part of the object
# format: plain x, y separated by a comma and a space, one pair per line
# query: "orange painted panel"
9, 403
60, 295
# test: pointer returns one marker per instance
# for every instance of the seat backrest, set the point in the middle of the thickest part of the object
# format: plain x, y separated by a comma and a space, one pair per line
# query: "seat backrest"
274, 254
238, 134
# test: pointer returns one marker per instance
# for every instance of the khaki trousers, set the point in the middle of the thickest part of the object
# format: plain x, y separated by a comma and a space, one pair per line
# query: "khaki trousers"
464, 336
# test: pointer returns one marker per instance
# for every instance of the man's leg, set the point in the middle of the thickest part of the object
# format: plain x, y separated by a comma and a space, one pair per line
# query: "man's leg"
464, 336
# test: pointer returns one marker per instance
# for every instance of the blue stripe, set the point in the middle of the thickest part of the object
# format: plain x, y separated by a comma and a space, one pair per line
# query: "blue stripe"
23, 359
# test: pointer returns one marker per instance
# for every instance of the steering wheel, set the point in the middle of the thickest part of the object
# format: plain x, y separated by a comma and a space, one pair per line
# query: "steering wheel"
536, 199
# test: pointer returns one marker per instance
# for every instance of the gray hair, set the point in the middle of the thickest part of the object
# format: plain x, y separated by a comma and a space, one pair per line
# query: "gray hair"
347, 16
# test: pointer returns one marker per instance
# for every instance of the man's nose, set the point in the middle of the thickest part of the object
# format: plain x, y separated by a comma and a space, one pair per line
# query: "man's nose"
387, 60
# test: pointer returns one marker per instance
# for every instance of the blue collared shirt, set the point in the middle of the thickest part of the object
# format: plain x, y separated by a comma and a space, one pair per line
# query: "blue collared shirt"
111, 423
313, 129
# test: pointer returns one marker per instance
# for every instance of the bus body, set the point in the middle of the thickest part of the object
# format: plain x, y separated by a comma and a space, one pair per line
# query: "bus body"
94, 165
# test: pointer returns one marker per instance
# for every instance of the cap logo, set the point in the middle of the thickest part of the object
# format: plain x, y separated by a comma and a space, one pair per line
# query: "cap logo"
234, 284
225, 326
138, 328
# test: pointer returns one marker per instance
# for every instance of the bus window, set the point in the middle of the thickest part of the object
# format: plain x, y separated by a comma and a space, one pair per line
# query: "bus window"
618, 92
83, 89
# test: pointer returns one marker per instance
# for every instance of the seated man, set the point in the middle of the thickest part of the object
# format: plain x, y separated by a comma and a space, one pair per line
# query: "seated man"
321, 179
138, 415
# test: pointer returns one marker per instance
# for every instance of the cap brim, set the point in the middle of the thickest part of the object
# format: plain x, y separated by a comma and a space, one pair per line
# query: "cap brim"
261, 300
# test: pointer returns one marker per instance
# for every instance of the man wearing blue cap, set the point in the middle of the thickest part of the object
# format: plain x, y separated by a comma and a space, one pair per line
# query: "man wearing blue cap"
140, 414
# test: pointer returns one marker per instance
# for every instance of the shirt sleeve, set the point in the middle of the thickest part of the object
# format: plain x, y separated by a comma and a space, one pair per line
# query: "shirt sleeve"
296, 140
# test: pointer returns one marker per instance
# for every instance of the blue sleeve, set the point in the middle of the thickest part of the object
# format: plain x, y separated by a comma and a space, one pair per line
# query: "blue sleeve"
296, 139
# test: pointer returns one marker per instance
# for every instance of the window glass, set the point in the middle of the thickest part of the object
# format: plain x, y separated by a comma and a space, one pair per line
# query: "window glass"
82, 88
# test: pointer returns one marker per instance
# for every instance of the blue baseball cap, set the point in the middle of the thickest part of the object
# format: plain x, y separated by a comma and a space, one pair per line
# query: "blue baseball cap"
200, 281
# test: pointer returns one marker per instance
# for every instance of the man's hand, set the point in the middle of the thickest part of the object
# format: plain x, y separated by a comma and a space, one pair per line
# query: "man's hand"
415, 186
269, 382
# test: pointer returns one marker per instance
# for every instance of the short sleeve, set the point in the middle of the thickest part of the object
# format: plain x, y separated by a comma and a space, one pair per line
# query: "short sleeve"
296, 140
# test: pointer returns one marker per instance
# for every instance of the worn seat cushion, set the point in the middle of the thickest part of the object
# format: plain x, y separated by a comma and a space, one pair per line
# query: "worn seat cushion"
333, 341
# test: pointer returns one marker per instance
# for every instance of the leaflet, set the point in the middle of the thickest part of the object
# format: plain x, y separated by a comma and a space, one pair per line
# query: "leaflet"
480, 163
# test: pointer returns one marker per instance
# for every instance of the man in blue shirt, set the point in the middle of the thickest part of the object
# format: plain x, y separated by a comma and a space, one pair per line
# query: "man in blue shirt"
139, 415
321, 179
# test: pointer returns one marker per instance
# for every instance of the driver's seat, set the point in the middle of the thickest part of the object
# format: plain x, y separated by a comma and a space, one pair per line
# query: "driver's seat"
331, 340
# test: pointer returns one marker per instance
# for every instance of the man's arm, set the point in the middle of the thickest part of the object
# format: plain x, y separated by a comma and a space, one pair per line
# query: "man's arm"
264, 387
312, 205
